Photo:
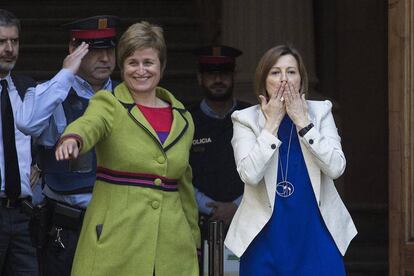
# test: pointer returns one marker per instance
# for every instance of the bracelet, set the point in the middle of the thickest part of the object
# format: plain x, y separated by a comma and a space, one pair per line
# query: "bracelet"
305, 130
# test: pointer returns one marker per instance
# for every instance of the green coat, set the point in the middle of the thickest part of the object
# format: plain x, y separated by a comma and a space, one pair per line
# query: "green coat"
141, 228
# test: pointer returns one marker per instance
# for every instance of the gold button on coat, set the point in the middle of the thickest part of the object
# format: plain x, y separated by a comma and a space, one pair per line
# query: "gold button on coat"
155, 204
161, 159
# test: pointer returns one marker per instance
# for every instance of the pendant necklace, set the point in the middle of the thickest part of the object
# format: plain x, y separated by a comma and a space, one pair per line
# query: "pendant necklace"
284, 188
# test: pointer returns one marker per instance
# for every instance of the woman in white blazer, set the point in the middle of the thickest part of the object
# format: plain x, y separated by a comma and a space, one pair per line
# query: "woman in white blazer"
291, 220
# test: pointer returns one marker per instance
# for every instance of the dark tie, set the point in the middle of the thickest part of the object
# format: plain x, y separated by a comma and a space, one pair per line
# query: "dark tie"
11, 163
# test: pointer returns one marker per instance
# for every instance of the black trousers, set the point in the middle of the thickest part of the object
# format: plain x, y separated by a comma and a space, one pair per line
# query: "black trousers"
57, 256
63, 235
17, 255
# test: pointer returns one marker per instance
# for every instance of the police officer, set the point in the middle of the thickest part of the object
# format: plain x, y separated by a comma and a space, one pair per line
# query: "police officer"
17, 256
218, 185
45, 113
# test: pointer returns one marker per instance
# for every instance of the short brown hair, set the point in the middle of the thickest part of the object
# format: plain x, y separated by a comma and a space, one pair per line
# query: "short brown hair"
269, 59
142, 35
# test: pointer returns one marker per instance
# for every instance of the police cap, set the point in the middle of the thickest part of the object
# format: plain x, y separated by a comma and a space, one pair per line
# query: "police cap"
216, 58
98, 31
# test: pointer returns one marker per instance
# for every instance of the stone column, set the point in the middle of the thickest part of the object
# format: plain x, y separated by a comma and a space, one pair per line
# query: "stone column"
256, 26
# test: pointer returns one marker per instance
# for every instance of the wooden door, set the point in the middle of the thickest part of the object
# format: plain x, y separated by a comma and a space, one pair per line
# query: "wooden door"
401, 137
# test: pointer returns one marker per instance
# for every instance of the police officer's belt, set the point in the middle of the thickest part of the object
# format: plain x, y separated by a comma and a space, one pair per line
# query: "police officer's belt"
65, 215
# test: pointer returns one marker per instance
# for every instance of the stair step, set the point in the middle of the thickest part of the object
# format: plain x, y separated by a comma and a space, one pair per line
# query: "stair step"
366, 219
50, 31
50, 57
172, 47
44, 41
367, 269
80, 9
169, 75
183, 84
367, 258
367, 251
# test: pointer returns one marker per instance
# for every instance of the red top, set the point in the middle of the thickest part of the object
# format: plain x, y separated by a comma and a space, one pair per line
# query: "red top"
160, 118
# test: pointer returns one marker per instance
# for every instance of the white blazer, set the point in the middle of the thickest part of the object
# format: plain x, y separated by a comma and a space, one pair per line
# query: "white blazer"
256, 154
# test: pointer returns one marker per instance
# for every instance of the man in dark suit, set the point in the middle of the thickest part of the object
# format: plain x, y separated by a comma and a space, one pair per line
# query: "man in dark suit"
17, 256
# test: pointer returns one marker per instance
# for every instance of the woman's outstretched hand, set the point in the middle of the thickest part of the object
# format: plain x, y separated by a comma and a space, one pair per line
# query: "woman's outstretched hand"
67, 150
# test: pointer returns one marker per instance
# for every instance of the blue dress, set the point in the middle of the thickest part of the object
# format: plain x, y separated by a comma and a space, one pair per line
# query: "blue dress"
295, 241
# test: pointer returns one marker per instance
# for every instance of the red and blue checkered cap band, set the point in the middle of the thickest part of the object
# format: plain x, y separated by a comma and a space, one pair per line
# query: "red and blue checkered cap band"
93, 34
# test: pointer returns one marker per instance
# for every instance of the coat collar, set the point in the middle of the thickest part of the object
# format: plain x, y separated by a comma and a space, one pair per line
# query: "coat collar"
179, 124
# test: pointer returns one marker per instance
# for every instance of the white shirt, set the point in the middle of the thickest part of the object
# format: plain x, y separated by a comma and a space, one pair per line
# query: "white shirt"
23, 145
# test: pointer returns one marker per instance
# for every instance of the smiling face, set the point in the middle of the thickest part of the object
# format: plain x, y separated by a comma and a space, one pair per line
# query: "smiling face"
9, 48
142, 71
285, 69
97, 66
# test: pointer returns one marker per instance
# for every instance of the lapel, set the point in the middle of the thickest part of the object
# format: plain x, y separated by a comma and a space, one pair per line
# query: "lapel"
140, 120
179, 124
313, 169
178, 128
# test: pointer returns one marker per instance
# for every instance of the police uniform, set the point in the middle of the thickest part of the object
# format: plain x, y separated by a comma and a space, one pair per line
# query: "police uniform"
212, 158
214, 172
46, 111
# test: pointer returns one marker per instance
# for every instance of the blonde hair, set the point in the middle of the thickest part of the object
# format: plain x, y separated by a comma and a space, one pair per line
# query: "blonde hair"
269, 59
139, 36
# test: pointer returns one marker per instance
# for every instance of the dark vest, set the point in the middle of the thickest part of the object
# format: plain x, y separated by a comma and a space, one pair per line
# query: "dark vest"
22, 83
70, 176
212, 158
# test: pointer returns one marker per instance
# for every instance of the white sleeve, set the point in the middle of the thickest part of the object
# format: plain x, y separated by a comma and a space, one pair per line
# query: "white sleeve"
325, 145
202, 200
252, 153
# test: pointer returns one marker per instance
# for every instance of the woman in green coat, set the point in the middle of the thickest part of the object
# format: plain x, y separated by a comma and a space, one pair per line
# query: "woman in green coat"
142, 219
